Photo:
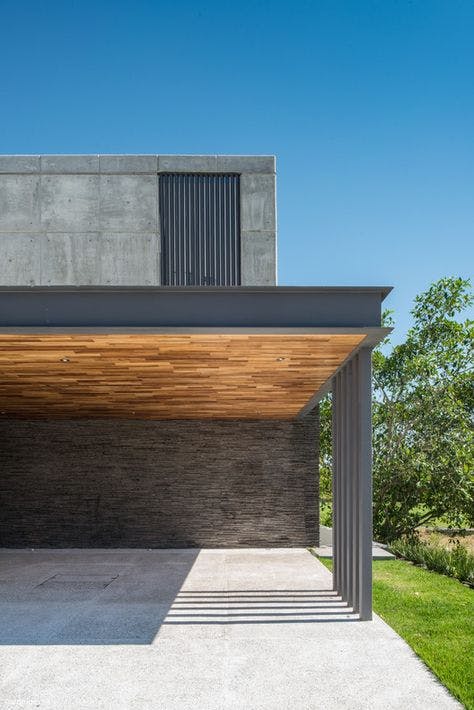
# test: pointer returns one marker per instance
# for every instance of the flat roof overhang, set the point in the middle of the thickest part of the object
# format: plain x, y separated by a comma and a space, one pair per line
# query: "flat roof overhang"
178, 352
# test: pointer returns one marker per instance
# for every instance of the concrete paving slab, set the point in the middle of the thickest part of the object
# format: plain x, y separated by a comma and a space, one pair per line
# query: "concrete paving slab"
379, 551
227, 629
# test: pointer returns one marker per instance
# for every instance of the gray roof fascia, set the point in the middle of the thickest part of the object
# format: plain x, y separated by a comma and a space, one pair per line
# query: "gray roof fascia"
267, 307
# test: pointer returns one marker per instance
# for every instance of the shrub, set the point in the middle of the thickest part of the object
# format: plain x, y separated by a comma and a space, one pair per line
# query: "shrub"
325, 514
456, 562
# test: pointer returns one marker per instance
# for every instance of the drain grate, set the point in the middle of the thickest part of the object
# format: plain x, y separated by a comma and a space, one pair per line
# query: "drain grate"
77, 581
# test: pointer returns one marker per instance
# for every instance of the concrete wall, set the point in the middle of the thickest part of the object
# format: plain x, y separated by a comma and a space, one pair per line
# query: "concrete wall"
158, 484
94, 219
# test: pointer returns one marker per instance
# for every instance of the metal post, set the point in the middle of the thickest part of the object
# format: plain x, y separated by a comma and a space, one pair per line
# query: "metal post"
349, 472
343, 485
355, 485
335, 495
365, 483
339, 484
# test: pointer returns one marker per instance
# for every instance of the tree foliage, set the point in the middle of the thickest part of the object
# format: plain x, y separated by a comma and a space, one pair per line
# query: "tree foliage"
423, 415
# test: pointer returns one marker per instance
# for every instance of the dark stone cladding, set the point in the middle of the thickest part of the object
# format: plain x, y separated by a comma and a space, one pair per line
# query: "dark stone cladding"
115, 483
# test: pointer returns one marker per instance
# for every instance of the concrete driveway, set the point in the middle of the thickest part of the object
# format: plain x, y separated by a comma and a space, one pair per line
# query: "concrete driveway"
237, 629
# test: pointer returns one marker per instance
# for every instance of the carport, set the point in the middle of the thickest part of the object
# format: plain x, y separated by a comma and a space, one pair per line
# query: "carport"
230, 354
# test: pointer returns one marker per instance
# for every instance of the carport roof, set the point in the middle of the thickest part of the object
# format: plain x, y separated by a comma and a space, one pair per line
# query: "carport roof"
178, 352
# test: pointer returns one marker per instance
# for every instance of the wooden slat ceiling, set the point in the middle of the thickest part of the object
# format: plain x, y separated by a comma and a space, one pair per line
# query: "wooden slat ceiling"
161, 376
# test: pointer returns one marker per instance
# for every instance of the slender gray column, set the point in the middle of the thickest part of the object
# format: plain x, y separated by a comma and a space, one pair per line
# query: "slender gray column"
349, 471
343, 486
355, 485
352, 483
347, 442
339, 484
340, 490
365, 483
335, 495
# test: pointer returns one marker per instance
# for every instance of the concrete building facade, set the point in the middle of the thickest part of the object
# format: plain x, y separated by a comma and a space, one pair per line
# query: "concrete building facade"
80, 220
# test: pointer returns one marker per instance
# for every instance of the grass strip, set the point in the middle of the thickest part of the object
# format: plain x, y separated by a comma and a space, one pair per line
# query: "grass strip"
435, 616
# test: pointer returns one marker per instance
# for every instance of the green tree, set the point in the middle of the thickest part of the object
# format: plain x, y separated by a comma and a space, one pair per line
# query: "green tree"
423, 415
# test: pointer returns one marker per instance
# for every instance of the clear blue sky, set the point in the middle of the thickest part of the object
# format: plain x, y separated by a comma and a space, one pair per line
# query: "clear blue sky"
368, 105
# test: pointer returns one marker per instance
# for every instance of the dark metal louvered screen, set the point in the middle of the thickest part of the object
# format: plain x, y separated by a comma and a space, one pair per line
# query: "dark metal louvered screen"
200, 230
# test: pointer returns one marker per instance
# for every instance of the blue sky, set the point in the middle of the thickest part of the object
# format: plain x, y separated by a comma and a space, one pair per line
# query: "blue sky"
368, 105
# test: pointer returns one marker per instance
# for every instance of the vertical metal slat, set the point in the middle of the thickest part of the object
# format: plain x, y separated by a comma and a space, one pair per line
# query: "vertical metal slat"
200, 229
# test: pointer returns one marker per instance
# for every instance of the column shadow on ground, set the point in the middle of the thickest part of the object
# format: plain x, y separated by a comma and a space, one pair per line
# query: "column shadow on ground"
101, 598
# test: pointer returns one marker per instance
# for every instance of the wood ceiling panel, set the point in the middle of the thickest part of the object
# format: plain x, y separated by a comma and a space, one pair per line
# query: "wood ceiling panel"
162, 376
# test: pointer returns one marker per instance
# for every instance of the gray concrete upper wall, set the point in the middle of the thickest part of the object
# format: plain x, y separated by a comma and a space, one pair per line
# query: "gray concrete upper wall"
94, 219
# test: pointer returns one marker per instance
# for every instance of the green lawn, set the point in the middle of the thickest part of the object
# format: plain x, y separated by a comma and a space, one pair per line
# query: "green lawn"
435, 615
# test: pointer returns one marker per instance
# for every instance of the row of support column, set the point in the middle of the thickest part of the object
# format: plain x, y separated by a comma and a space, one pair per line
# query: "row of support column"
352, 483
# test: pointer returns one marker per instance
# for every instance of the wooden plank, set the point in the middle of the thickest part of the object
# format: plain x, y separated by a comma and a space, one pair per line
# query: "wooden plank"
164, 376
